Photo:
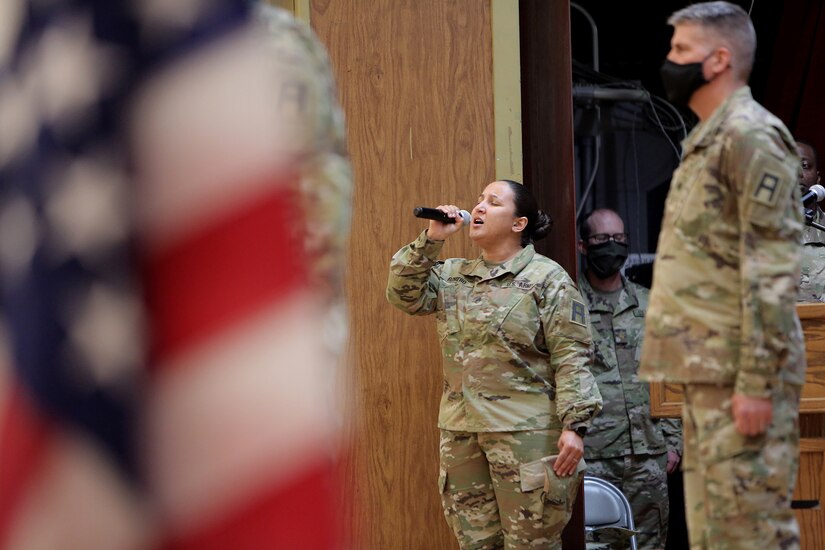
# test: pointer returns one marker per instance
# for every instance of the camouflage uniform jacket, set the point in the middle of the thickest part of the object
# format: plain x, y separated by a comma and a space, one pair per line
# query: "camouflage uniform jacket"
624, 427
812, 234
722, 307
515, 338
812, 282
314, 139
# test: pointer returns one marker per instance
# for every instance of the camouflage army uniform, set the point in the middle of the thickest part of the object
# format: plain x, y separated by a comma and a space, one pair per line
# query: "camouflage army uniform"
316, 140
312, 122
625, 446
812, 282
812, 234
516, 350
722, 319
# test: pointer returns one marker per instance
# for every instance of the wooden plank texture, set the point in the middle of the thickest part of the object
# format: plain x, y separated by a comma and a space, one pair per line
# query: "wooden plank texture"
811, 486
415, 79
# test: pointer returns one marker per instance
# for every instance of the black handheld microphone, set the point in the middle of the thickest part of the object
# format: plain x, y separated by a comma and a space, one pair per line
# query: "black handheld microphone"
815, 194
463, 215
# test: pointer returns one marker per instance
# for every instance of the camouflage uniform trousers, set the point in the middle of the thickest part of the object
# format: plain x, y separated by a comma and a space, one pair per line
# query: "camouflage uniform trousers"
738, 489
643, 480
497, 492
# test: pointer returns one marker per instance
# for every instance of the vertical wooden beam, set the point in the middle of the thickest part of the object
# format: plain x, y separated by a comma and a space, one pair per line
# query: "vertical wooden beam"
300, 8
507, 89
547, 106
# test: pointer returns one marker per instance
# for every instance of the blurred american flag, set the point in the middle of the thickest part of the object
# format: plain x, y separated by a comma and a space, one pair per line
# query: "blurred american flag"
164, 386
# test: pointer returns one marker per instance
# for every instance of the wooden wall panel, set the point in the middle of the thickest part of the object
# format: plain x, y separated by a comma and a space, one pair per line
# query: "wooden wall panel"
811, 469
415, 79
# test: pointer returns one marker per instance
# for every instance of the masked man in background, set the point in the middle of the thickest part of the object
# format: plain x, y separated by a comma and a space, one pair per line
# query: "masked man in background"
624, 446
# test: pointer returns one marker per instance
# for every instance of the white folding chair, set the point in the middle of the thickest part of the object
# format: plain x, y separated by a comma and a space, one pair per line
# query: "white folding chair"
606, 506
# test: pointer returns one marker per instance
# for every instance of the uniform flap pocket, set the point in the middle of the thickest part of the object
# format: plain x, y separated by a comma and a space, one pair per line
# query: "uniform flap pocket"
533, 475
442, 480
727, 443
539, 473
580, 467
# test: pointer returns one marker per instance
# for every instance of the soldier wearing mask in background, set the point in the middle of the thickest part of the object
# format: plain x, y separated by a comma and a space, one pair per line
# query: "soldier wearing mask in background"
624, 445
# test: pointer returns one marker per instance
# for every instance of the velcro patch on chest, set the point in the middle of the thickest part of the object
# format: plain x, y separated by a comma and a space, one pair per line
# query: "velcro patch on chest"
768, 190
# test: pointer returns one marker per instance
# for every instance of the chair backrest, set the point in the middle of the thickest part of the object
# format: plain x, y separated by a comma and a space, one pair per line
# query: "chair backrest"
606, 506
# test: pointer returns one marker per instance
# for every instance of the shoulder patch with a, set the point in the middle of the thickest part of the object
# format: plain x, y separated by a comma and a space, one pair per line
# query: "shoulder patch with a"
767, 190
572, 317
578, 313
770, 184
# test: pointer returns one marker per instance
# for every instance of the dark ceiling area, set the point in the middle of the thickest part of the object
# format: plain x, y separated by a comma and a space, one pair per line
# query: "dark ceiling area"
634, 38
626, 151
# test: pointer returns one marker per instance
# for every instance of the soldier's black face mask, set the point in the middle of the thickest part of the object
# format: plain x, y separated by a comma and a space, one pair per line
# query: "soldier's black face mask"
606, 259
681, 80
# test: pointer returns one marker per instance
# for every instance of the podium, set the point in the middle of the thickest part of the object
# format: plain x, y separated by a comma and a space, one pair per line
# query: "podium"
666, 401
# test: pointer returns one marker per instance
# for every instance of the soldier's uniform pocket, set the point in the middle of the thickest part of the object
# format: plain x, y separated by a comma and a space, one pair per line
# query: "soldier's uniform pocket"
539, 475
751, 479
446, 314
442, 480
517, 322
720, 494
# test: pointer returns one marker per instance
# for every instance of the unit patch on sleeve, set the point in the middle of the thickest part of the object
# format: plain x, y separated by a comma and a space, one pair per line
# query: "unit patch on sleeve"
578, 314
767, 190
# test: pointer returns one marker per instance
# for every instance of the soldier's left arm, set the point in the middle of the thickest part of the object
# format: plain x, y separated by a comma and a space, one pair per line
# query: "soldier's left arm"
313, 120
672, 432
566, 325
762, 168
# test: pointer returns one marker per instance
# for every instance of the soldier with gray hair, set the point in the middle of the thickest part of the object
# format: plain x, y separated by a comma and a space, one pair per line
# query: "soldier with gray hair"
722, 318
518, 394
625, 445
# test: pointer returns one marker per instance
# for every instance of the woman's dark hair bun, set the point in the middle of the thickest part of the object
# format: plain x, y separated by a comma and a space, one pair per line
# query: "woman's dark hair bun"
544, 224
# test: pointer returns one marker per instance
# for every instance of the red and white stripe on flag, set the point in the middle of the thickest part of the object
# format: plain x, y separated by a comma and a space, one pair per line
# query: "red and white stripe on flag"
237, 433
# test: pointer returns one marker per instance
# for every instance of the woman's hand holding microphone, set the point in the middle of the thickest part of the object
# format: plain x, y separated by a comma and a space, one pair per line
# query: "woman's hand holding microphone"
439, 231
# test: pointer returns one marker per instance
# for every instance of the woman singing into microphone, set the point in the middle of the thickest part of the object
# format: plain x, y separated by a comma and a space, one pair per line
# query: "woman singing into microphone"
518, 393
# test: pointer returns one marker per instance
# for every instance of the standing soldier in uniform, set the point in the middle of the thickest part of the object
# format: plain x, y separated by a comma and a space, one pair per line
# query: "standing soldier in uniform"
518, 393
315, 141
812, 283
624, 446
809, 176
722, 316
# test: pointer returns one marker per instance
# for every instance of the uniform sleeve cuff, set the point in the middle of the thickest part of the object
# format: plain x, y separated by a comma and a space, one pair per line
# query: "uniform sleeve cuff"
427, 247
578, 427
675, 448
754, 385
